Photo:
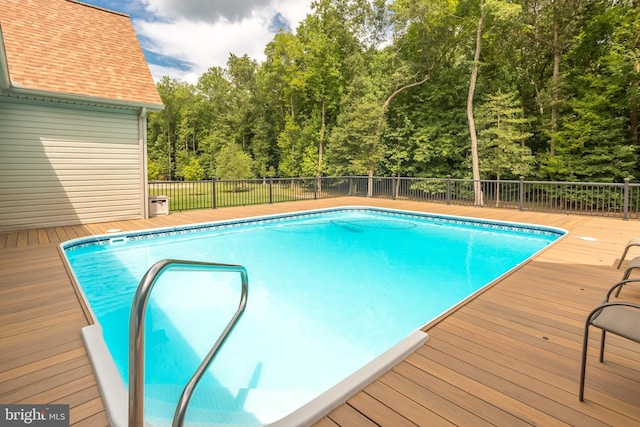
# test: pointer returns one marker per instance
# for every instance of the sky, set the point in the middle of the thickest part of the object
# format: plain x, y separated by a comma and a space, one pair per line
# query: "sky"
183, 38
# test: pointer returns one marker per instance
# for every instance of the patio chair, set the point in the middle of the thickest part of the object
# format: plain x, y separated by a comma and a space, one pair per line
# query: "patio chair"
632, 242
619, 317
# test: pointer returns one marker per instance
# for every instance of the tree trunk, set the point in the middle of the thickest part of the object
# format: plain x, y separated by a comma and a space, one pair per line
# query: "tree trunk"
475, 167
321, 143
170, 153
633, 114
370, 182
555, 82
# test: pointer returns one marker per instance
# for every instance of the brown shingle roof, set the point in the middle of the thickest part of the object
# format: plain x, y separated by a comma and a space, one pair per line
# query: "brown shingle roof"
68, 47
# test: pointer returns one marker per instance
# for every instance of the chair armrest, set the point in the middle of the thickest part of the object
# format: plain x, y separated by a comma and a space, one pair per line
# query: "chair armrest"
618, 285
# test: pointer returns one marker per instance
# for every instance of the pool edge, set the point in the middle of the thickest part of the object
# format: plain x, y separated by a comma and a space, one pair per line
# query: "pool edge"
112, 389
115, 236
322, 405
114, 393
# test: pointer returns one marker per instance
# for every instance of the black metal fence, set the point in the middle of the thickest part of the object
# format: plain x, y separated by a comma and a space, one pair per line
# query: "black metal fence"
585, 198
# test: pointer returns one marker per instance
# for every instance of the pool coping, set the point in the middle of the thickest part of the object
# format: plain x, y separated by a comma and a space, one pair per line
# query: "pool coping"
115, 394
335, 396
112, 389
111, 385
124, 236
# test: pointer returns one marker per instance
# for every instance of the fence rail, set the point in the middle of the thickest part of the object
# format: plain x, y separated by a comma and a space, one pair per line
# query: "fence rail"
584, 198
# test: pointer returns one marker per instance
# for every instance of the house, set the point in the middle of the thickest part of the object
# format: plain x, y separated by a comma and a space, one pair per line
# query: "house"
75, 90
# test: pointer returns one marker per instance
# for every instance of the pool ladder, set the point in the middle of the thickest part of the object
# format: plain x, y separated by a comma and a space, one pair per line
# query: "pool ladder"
136, 337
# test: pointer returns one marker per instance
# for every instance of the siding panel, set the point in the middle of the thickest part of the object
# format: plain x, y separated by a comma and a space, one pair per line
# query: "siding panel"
63, 165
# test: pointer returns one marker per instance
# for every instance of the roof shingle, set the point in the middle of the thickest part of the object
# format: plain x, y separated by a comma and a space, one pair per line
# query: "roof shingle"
69, 47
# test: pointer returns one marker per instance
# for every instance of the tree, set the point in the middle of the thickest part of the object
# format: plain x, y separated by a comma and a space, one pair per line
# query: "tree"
549, 32
308, 109
475, 168
355, 146
501, 12
564, 14
593, 141
291, 149
242, 75
323, 65
333, 38
281, 95
153, 171
233, 163
501, 138
193, 171
622, 57
164, 126
589, 144
264, 153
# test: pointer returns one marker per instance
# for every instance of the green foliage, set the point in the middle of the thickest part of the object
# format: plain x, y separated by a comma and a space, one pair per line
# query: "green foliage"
429, 141
153, 171
590, 145
193, 171
501, 137
593, 142
365, 87
289, 143
233, 163
171, 129
355, 146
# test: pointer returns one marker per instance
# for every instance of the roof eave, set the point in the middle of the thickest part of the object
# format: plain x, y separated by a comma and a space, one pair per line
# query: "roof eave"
5, 81
71, 98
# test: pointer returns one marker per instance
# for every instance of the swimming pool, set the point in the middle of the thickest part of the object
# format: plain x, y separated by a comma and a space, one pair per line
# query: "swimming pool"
330, 291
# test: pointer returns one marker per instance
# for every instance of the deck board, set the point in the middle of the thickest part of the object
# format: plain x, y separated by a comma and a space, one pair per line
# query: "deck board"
409, 388
509, 356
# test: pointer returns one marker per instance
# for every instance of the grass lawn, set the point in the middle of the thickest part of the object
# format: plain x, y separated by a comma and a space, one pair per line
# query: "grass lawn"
199, 194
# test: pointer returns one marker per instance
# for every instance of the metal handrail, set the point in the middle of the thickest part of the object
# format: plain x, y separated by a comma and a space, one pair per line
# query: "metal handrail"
136, 338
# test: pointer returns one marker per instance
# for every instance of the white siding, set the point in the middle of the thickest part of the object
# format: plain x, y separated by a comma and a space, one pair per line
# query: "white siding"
63, 165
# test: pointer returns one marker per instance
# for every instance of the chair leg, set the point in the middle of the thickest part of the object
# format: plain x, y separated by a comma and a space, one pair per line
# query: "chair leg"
624, 277
624, 254
583, 367
604, 334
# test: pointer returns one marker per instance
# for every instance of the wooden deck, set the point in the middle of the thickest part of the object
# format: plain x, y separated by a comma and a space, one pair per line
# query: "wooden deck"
508, 357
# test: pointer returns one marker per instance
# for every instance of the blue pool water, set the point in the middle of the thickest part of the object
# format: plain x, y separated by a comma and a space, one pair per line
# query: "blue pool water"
329, 291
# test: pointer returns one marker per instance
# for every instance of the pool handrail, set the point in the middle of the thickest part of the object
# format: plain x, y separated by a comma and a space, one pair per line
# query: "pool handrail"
136, 337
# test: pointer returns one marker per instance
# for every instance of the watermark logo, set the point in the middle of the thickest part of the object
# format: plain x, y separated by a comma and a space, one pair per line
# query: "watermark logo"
34, 415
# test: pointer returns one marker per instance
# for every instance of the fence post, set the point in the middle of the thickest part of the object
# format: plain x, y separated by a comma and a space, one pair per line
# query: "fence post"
521, 191
448, 189
271, 190
350, 186
625, 215
214, 194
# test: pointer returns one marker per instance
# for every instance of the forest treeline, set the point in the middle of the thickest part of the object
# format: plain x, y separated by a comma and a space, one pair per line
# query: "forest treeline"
496, 89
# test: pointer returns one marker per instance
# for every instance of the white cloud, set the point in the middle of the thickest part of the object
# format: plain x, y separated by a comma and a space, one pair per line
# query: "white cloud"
159, 71
205, 43
293, 10
205, 10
